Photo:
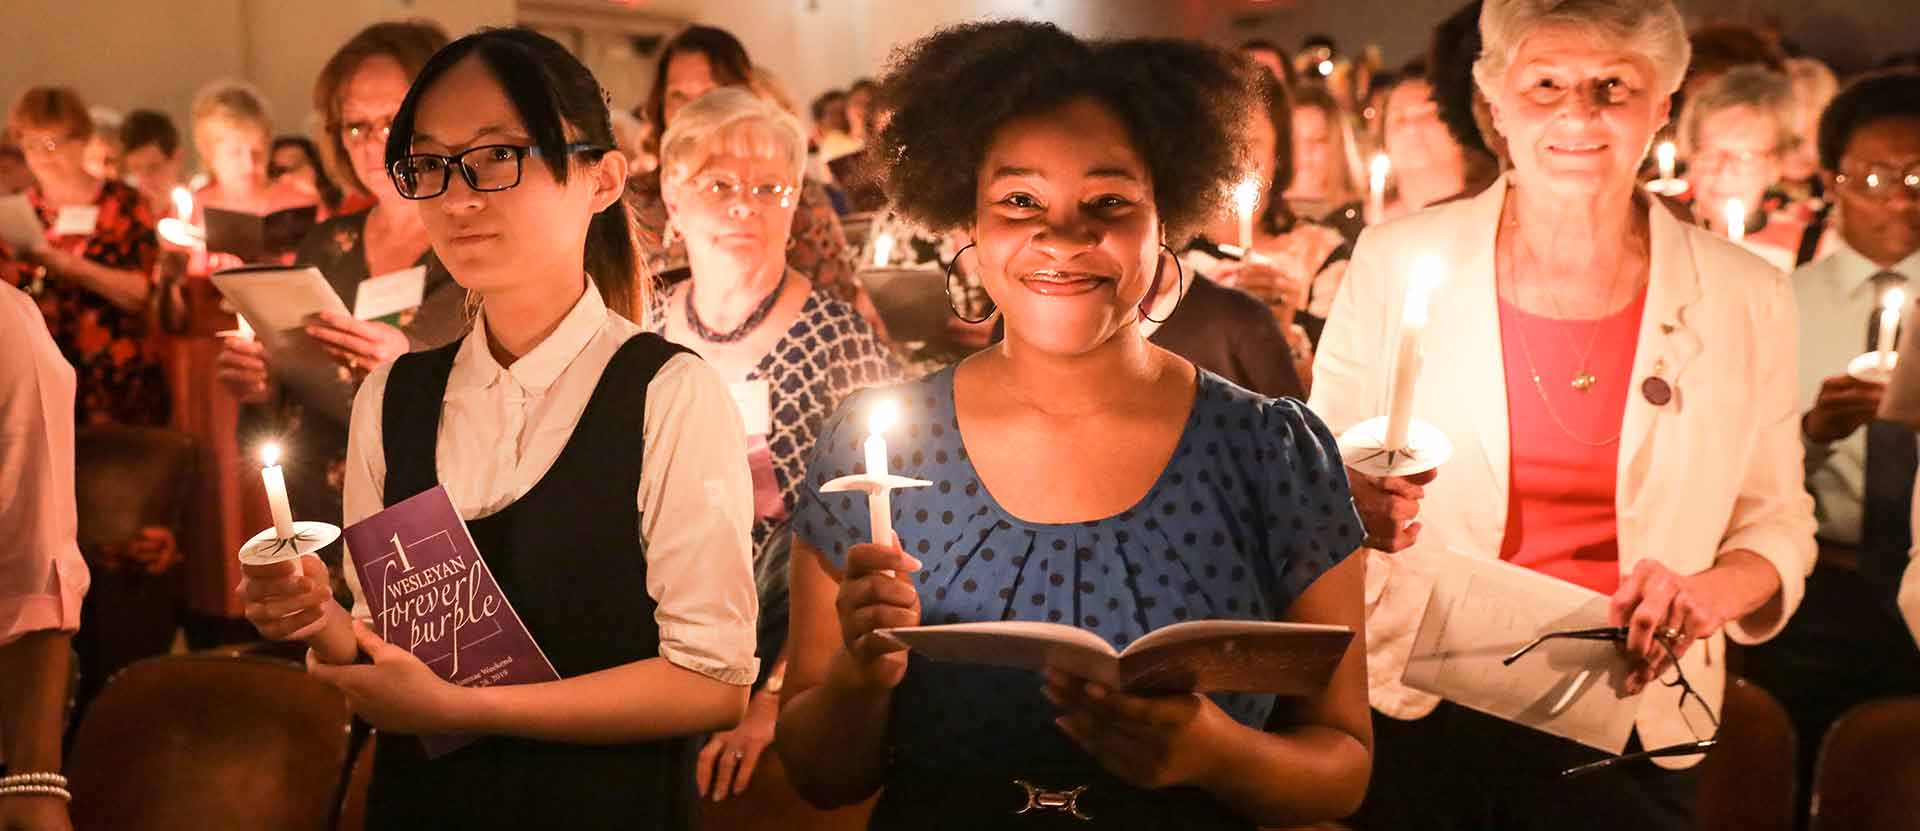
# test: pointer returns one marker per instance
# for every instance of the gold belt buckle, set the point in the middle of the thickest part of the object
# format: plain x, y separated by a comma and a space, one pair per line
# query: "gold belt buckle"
1066, 802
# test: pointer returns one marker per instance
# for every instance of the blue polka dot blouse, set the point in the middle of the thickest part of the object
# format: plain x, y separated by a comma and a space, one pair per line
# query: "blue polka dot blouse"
1251, 509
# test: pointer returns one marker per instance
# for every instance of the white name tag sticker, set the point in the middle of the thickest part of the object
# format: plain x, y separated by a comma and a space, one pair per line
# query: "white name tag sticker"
754, 400
77, 221
388, 295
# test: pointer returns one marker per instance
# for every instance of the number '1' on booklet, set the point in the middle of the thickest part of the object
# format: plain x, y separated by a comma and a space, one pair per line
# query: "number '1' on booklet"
1253, 656
432, 594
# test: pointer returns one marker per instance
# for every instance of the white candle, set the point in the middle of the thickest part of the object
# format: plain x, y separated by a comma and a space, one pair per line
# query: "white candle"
1246, 198
276, 481
1406, 365
1665, 152
1883, 338
1736, 220
1377, 187
882, 249
880, 499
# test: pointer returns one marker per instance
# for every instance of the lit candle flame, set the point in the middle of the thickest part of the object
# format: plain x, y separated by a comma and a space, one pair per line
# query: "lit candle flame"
1666, 154
1427, 275
1380, 166
270, 454
1895, 298
1736, 219
1246, 195
883, 416
1326, 68
182, 203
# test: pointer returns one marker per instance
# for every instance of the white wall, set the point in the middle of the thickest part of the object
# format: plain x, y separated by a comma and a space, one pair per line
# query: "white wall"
815, 45
129, 54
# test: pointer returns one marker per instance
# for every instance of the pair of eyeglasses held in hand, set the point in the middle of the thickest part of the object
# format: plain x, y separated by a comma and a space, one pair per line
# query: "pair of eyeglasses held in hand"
1694, 711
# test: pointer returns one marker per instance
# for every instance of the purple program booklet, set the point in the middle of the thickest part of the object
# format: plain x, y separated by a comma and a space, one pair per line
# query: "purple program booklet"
431, 594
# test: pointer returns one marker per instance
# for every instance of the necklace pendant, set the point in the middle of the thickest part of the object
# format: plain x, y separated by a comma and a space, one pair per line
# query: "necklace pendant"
1584, 381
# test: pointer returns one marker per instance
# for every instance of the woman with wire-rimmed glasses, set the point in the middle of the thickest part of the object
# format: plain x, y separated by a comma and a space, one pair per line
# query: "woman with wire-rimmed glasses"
1619, 388
600, 471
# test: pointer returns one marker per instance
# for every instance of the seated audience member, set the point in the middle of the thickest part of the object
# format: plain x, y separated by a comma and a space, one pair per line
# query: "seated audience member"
93, 273
153, 157
1617, 386
697, 60
1734, 132
730, 166
295, 161
1847, 644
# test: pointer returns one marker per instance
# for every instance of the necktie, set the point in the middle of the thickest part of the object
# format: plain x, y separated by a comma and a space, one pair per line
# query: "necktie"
1887, 509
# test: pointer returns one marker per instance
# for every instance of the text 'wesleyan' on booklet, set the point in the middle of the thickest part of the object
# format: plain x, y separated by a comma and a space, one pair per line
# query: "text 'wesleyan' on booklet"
431, 594
1197, 656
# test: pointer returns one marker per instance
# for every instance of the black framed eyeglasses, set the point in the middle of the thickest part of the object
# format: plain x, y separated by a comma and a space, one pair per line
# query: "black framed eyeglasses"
1881, 181
487, 168
1694, 712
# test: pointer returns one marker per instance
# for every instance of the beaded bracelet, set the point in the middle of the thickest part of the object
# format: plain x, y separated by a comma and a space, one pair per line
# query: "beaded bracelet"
36, 790
43, 778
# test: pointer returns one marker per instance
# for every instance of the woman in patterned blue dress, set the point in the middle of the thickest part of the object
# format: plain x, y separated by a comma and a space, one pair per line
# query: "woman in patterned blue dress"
1083, 476
789, 349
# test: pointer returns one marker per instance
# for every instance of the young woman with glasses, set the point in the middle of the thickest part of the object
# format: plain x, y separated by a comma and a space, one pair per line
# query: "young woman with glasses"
600, 471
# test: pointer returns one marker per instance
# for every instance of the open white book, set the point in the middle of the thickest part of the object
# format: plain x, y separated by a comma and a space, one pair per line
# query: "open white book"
1196, 656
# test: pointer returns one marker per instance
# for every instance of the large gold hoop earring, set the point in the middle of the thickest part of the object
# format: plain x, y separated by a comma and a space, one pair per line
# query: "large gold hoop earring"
951, 305
1180, 284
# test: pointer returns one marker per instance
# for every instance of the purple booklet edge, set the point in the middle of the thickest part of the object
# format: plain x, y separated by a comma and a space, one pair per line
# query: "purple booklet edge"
440, 745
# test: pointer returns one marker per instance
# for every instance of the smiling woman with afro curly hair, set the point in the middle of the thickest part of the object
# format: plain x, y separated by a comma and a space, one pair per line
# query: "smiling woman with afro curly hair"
1083, 475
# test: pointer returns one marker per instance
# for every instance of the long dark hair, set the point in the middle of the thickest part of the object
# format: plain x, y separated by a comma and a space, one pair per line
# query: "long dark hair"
329, 192
726, 57
1275, 101
553, 93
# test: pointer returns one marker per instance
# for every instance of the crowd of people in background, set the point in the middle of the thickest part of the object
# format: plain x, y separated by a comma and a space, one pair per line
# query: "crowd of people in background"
1174, 270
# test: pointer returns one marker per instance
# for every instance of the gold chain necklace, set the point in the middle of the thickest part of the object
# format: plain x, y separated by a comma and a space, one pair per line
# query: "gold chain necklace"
1583, 381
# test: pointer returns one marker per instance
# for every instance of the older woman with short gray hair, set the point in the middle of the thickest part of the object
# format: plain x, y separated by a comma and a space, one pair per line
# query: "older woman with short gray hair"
730, 170
1619, 389
1735, 133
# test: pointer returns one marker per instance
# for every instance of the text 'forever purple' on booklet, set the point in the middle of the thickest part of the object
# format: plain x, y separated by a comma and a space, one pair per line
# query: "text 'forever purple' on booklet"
431, 594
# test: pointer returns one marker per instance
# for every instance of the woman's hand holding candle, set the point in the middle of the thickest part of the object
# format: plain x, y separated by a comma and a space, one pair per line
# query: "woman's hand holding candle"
874, 594
286, 601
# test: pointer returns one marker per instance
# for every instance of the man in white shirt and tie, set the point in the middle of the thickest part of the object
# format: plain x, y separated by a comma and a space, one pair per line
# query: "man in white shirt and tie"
1848, 643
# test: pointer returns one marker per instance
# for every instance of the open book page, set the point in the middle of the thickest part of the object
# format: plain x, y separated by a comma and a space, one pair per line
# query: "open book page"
1197, 656
19, 222
1016, 644
276, 301
254, 237
1483, 610
1234, 655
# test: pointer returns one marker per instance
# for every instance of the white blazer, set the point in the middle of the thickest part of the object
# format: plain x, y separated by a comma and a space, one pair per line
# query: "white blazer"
1717, 468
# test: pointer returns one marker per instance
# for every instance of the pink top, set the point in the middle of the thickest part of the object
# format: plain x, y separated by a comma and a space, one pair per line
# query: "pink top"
1566, 442
42, 577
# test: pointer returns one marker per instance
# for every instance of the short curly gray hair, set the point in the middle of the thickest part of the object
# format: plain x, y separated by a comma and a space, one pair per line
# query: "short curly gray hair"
1751, 85
731, 121
1652, 28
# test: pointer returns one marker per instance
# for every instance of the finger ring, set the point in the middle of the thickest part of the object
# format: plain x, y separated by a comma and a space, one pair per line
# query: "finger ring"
738, 755
1671, 633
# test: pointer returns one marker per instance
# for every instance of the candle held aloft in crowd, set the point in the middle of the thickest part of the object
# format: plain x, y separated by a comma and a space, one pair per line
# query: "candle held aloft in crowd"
1406, 366
275, 479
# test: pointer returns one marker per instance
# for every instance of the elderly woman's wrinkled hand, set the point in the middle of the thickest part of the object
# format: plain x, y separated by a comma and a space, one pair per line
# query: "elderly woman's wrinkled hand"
1388, 506
1665, 613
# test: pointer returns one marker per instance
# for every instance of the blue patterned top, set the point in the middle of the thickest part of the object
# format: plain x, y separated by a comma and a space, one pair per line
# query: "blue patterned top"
1250, 510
